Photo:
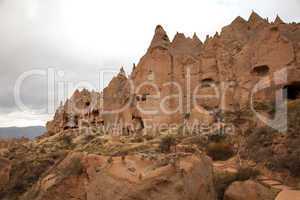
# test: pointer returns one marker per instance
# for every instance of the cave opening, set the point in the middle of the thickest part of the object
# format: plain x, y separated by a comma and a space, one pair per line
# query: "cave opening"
292, 91
261, 70
95, 112
207, 82
139, 123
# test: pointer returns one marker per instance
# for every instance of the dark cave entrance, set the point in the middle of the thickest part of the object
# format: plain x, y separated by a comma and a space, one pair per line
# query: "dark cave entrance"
207, 82
139, 123
292, 91
261, 70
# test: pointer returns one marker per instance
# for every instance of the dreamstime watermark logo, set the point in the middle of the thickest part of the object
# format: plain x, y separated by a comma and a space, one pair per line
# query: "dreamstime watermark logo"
151, 98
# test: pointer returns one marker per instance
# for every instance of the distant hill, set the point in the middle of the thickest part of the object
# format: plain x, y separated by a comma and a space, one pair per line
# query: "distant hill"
18, 132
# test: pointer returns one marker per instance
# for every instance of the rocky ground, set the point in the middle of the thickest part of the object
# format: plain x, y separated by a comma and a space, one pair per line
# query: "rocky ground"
76, 165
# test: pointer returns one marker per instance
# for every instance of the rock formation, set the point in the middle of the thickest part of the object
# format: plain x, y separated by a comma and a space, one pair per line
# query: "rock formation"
112, 145
91, 177
227, 67
248, 190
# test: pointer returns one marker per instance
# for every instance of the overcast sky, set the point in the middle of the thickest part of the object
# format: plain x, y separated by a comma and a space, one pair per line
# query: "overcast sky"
78, 38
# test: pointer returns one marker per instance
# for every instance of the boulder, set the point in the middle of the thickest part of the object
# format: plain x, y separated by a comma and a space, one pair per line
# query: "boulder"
248, 190
288, 195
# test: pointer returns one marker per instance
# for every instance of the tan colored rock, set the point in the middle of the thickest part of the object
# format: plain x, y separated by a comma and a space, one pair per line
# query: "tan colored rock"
160, 39
161, 87
92, 177
199, 116
248, 190
288, 195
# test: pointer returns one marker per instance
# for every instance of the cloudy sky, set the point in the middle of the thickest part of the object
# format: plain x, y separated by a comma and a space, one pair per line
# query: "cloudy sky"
73, 40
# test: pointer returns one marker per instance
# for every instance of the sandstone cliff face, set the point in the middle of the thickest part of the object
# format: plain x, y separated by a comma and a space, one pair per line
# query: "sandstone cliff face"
234, 61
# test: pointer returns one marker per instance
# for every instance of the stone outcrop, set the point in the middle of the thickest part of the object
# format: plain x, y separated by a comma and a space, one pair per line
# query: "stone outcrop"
234, 61
288, 194
93, 177
83, 107
248, 190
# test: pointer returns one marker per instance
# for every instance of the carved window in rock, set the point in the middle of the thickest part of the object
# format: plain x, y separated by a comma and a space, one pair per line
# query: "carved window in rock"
151, 76
101, 122
261, 70
138, 98
142, 97
95, 112
292, 91
207, 82
138, 122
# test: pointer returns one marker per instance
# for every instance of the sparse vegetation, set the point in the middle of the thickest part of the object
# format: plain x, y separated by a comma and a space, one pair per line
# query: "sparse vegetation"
138, 139
88, 138
183, 131
166, 143
224, 179
67, 140
221, 181
266, 144
75, 168
220, 150
268, 107
26, 170
246, 173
